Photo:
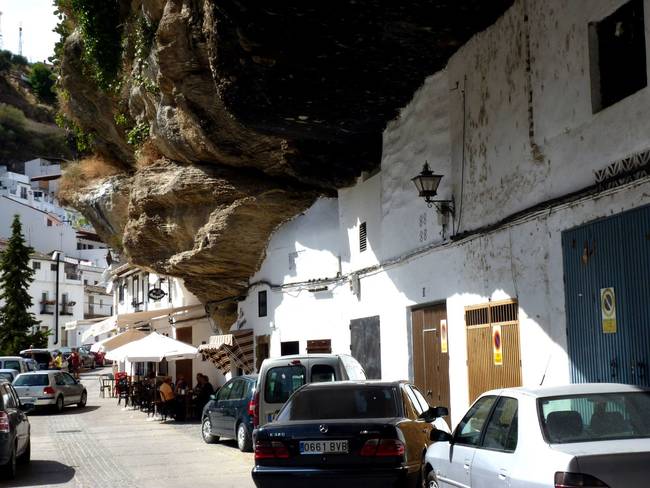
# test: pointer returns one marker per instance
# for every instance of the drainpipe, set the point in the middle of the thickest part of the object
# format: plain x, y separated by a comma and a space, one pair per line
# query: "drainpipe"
57, 256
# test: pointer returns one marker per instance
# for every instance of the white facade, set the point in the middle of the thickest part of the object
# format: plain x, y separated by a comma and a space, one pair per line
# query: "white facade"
506, 139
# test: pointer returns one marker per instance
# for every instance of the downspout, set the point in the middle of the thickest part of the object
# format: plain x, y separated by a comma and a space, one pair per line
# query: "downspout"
56, 299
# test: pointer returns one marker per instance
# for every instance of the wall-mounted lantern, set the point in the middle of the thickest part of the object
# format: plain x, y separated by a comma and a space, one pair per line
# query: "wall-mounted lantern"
427, 183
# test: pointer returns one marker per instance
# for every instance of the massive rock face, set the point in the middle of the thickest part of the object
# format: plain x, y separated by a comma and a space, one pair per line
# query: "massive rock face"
255, 109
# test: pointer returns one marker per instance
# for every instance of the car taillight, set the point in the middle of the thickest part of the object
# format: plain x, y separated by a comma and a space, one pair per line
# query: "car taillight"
254, 409
4, 423
271, 450
577, 480
382, 448
48, 390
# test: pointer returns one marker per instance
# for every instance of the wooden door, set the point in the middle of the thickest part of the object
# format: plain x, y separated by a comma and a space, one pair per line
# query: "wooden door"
430, 354
184, 366
485, 371
365, 345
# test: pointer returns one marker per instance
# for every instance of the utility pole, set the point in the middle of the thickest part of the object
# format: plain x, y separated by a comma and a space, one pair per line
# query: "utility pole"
20, 39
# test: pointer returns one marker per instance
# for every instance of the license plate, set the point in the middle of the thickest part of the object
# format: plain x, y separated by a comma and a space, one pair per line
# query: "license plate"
27, 400
323, 447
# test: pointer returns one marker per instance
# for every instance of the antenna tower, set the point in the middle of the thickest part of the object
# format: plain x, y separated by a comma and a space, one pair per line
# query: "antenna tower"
20, 39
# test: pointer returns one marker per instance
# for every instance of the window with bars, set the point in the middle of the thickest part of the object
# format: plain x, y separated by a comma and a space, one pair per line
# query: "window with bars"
492, 313
363, 237
261, 303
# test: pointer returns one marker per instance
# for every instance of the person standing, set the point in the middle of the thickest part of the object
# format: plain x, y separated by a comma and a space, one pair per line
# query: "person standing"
74, 364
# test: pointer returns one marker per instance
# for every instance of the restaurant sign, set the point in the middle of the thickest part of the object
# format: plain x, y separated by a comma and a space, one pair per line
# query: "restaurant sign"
157, 294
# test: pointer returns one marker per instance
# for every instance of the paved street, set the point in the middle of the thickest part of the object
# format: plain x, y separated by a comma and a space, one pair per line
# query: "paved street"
104, 445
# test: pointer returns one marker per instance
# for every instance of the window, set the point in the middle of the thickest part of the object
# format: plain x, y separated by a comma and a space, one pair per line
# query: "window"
59, 380
420, 397
261, 304
322, 373
469, 429
53, 267
289, 347
36, 265
413, 400
501, 430
12, 364
68, 380
49, 223
322, 346
32, 380
7, 398
85, 282
120, 291
363, 241
595, 417
618, 56
368, 402
282, 381
23, 194
237, 392
78, 246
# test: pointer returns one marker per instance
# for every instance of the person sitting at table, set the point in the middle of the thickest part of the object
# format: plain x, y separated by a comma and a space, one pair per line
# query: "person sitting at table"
203, 396
167, 395
181, 385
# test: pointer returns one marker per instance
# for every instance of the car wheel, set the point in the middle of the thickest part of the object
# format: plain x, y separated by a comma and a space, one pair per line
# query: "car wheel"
27, 454
244, 441
9, 469
83, 399
59, 404
431, 482
206, 432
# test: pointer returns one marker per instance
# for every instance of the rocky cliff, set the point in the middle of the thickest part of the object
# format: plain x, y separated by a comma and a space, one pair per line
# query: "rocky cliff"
224, 119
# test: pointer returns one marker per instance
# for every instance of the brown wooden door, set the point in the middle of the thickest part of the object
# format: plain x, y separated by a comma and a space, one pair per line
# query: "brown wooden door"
430, 363
184, 366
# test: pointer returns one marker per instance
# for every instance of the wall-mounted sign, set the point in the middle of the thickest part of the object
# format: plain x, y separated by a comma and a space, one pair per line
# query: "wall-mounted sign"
157, 294
608, 310
497, 345
443, 336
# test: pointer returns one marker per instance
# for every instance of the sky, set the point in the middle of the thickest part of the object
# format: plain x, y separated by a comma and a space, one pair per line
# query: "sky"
38, 20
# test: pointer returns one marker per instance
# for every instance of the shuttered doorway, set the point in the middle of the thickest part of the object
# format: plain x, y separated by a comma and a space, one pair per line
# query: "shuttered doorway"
481, 321
365, 345
430, 360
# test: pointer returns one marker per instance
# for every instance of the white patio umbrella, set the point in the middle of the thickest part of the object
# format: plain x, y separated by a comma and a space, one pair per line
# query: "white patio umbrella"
118, 340
153, 348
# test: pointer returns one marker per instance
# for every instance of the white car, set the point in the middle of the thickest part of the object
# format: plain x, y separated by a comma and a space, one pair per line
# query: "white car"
581, 435
51, 388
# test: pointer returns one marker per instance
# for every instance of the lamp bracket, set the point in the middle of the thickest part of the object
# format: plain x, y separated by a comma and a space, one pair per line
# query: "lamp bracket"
442, 206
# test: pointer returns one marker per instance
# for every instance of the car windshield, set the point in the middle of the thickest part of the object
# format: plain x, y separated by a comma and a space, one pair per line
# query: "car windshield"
342, 403
595, 417
12, 364
32, 380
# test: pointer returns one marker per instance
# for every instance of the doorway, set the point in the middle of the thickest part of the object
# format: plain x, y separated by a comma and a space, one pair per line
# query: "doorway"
429, 350
184, 366
365, 345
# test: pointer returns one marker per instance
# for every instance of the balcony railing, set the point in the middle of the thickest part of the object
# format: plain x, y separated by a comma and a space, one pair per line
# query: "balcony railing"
93, 310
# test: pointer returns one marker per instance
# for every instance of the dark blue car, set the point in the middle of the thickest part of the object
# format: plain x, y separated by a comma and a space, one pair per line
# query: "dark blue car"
229, 413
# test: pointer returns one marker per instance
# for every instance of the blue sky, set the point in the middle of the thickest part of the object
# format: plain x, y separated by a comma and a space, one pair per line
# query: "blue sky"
38, 20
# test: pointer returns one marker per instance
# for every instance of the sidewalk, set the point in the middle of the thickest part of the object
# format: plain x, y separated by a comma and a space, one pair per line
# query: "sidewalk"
104, 445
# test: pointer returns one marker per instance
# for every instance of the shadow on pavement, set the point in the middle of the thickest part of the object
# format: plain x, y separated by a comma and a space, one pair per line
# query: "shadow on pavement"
39, 473
71, 410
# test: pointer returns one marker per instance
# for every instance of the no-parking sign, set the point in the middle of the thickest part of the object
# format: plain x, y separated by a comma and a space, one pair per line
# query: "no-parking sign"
608, 310
497, 345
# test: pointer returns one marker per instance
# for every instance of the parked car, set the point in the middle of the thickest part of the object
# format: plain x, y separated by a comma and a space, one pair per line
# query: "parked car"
228, 414
595, 435
51, 388
87, 358
354, 433
8, 375
15, 445
41, 356
14, 362
280, 377
99, 356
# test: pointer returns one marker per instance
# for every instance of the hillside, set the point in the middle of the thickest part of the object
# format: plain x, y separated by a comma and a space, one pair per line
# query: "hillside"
27, 128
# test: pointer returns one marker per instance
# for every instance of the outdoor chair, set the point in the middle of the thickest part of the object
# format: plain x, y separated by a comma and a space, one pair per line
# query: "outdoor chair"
122, 388
105, 385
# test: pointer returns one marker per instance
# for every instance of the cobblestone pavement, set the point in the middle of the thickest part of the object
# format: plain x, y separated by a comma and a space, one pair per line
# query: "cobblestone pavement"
104, 445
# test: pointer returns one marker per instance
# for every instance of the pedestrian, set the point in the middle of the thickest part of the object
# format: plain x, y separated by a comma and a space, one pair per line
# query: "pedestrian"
58, 360
74, 364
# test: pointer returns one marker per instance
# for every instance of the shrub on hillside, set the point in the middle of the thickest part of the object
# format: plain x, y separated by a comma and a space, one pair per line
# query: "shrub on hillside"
42, 82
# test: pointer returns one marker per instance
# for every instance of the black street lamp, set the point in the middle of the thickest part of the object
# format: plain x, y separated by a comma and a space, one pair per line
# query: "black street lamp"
427, 183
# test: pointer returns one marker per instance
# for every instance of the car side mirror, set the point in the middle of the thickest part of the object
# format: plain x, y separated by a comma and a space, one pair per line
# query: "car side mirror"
440, 436
27, 407
434, 413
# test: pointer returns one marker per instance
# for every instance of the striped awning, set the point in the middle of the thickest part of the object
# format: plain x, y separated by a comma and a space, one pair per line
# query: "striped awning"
228, 349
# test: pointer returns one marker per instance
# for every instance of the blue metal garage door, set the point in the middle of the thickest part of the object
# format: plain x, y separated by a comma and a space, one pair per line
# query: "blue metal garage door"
607, 286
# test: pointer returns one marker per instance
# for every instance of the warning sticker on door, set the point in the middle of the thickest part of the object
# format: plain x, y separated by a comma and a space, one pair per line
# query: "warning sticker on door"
443, 336
497, 345
608, 310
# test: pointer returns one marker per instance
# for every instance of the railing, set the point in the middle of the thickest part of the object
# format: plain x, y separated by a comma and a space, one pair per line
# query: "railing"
96, 310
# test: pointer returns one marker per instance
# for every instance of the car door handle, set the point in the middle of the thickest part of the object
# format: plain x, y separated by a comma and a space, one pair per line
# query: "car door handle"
466, 465
503, 474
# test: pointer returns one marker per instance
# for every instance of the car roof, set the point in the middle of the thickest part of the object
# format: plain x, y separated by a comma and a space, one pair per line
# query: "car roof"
5, 370
354, 384
2, 358
306, 356
42, 371
571, 389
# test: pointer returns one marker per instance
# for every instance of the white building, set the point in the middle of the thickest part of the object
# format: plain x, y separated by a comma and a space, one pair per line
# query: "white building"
543, 143
151, 302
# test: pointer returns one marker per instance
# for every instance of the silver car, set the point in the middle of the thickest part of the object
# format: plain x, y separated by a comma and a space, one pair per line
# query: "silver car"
595, 435
50, 388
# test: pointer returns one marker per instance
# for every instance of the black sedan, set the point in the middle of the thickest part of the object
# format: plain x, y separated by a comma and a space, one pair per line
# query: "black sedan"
14, 431
350, 433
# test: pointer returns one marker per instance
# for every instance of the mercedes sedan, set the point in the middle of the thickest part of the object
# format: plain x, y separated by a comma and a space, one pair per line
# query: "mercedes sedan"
347, 433
582, 435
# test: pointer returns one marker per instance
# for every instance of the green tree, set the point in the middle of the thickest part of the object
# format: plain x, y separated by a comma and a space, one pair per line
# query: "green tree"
42, 82
16, 321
